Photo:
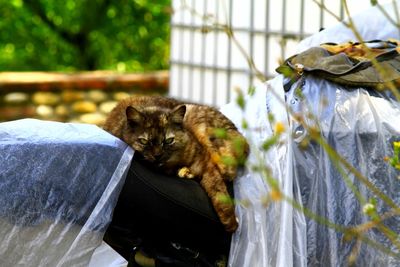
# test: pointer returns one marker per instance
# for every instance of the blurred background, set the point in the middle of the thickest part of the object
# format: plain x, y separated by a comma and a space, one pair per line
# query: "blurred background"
73, 60
71, 35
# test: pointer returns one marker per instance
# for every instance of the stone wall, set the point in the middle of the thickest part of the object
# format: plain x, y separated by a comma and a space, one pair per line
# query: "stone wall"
82, 97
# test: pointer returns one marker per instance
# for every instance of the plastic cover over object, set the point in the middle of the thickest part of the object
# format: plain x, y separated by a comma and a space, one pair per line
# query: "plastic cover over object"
361, 125
59, 183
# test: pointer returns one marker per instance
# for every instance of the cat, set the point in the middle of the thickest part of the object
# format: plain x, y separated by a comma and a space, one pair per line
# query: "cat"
189, 140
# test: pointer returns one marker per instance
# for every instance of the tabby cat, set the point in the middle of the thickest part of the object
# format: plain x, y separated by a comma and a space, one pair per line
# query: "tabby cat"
193, 141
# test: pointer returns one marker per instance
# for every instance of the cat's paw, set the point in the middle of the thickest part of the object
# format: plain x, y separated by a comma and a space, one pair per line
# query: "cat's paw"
184, 172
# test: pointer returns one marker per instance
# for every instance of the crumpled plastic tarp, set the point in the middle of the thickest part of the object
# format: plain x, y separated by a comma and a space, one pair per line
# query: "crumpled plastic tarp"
360, 124
59, 183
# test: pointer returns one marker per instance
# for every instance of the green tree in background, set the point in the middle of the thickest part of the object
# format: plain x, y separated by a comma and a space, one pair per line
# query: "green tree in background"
68, 35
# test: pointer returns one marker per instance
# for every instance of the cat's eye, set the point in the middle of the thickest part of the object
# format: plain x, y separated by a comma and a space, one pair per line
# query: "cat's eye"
143, 141
169, 141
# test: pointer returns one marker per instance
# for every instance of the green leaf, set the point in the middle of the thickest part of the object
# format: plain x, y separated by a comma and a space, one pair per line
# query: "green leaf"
251, 90
240, 101
269, 142
271, 118
225, 199
286, 71
245, 124
228, 161
220, 133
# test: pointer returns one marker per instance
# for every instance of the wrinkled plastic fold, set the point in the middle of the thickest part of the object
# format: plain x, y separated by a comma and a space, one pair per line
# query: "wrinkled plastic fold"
59, 183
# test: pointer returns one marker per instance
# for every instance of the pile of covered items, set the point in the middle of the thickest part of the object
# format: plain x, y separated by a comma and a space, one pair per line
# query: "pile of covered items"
320, 193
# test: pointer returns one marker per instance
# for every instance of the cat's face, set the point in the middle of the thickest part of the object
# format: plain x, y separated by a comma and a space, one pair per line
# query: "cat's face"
156, 134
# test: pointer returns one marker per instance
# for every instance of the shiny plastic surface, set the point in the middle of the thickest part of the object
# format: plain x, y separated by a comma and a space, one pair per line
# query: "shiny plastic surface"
59, 184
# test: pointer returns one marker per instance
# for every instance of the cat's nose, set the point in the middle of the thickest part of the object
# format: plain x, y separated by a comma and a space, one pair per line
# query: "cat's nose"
158, 157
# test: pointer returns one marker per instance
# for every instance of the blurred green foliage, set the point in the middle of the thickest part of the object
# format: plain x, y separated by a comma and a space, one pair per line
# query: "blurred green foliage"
68, 35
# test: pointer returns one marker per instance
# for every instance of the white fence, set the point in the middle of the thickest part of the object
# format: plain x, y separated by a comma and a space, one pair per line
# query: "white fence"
207, 65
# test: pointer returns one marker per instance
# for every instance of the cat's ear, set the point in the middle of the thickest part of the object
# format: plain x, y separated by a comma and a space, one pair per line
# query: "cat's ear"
133, 116
178, 113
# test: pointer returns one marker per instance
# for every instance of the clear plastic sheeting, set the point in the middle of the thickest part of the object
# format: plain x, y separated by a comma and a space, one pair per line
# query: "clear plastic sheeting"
269, 234
361, 125
59, 183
